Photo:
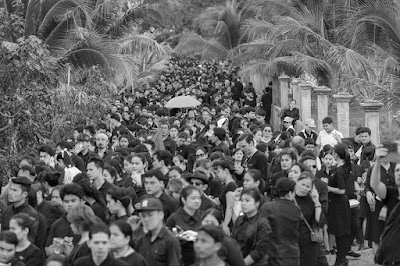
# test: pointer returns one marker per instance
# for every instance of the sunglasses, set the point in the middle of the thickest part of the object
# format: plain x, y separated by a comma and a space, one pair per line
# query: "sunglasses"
196, 183
313, 166
200, 155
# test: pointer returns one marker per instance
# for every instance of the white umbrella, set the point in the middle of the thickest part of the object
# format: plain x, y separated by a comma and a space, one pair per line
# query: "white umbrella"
182, 102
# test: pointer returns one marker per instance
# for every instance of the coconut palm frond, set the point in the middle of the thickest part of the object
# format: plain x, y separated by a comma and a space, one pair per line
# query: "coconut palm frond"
254, 29
267, 9
193, 44
271, 68
258, 49
141, 44
389, 95
62, 38
317, 67
349, 61
72, 10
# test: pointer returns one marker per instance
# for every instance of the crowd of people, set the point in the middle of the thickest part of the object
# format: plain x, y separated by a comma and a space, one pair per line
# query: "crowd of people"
208, 185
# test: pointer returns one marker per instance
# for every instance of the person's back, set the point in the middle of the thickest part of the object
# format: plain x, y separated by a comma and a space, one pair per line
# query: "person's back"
284, 217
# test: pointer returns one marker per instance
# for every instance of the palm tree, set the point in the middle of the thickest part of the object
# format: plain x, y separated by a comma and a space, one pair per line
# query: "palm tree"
375, 29
218, 32
301, 38
84, 33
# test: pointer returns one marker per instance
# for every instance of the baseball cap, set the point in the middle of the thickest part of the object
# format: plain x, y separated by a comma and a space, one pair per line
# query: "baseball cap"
288, 119
150, 204
310, 122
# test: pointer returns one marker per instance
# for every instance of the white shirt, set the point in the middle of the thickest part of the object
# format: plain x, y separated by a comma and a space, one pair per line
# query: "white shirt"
325, 138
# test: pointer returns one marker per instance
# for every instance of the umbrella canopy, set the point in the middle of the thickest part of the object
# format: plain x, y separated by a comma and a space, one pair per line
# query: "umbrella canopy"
182, 102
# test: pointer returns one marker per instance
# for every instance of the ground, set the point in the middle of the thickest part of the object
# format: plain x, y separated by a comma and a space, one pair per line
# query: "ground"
366, 259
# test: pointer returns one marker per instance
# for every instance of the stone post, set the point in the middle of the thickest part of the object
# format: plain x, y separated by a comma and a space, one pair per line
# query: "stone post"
305, 107
343, 112
284, 89
371, 109
322, 104
296, 91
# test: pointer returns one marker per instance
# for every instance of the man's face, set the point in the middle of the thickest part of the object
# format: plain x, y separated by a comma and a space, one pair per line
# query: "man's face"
25, 173
15, 193
198, 184
213, 138
397, 174
44, 157
312, 164
173, 132
292, 104
206, 116
259, 118
251, 115
310, 147
70, 201
205, 246
157, 163
328, 127
85, 145
244, 146
130, 101
164, 130
92, 171
101, 141
7, 252
152, 185
152, 219
365, 138
99, 244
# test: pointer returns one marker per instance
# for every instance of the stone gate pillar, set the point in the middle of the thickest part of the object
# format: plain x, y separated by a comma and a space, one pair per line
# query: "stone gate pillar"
305, 107
343, 112
322, 104
284, 89
371, 109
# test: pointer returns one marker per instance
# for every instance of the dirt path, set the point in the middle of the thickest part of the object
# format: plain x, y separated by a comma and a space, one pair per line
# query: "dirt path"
366, 259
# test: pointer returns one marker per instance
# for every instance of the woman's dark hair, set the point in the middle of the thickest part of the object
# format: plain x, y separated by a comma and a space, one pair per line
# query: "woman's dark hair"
25, 221
66, 158
252, 192
9, 237
111, 170
224, 164
124, 136
214, 212
121, 195
214, 231
116, 164
217, 155
257, 176
124, 227
186, 191
291, 152
72, 189
176, 168
302, 166
327, 149
83, 180
341, 150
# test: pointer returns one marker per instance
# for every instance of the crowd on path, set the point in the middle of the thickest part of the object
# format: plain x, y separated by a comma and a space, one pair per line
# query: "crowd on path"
208, 185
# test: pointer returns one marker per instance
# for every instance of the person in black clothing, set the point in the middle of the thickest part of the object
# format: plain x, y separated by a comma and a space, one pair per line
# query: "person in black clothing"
121, 234
284, 217
99, 243
292, 112
208, 242
8, 245
387, 253
72, 196
255, 158
266, 101
95, 168
339, 208
22, 224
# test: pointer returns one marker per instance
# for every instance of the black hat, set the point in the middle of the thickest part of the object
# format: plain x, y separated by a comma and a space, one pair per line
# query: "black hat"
150, 204
198, 175
202, 142
285, 184
22, 180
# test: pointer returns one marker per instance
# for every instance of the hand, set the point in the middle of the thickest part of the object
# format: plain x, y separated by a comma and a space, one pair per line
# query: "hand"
238, 192
226, 230
66, 248
370, 197
325, 180
337, 137
134, 221
380, 152
136, 178
314, 195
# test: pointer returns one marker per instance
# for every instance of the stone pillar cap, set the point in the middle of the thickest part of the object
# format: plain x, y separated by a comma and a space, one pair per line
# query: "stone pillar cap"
283, 76
371, 105
322, 90
306, 84
343, 97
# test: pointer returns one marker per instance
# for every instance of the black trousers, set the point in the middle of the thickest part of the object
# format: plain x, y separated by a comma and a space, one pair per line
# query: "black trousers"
343, 246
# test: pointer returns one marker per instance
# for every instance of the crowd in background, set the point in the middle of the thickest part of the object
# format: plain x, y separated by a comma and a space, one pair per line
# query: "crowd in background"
213, 184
